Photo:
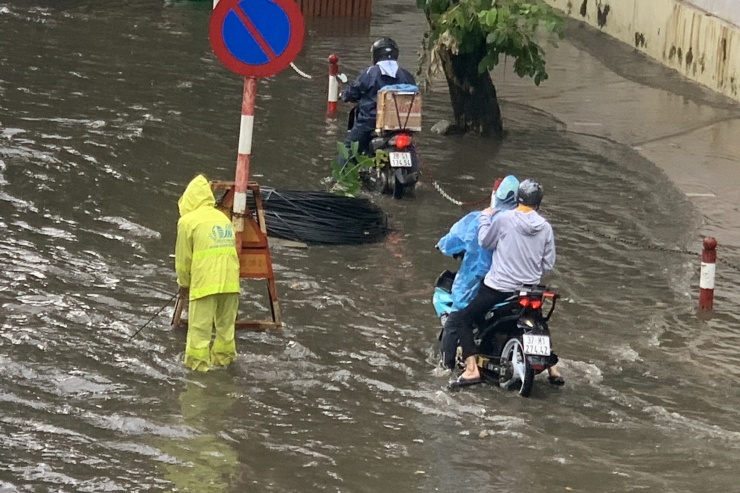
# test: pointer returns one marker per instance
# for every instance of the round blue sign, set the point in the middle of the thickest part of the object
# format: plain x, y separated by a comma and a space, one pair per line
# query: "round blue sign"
256, 38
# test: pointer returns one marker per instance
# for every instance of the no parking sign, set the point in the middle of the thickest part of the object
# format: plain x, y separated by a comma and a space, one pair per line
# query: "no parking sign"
256, 38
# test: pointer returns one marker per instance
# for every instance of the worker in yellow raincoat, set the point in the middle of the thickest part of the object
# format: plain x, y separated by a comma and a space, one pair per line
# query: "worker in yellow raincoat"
207, 267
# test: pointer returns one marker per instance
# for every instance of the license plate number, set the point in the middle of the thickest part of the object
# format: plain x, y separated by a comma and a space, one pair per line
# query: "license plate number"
536, 345
400, 159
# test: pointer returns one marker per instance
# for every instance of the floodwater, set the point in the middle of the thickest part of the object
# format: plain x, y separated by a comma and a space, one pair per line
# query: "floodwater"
107, 109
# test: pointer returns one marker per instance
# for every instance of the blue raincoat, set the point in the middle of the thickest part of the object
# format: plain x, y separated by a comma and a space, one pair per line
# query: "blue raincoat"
463, 238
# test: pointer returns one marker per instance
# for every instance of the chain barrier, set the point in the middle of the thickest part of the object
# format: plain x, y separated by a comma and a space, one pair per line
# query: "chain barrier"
642, 245
728, 264
635, 243
447, 196
300, 72
321, 78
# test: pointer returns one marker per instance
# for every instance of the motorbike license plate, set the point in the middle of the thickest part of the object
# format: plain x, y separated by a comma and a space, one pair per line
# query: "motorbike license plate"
400, 159
537, 345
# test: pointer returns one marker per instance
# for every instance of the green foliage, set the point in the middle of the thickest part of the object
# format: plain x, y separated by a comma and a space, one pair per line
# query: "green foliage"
347, 180
492, 28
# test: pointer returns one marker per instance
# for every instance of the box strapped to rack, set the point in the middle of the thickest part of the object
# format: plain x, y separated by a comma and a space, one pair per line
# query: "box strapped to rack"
399, 108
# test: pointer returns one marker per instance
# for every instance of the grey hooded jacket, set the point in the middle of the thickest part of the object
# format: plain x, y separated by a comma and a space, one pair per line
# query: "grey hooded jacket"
523, 245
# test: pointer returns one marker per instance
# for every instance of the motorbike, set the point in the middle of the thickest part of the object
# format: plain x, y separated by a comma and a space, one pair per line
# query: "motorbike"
400, 172
514, 341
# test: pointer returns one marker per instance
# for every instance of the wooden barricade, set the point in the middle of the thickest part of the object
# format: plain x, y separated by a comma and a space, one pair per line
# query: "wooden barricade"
254, 259
352, 9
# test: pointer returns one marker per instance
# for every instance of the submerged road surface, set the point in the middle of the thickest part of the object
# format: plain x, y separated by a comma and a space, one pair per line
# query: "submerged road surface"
108, 109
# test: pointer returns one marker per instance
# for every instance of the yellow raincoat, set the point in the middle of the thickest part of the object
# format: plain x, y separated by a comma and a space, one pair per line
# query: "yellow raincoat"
206, 263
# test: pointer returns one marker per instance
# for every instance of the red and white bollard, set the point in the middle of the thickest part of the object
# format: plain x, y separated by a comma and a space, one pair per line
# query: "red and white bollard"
706, 278
241, 180
331, 106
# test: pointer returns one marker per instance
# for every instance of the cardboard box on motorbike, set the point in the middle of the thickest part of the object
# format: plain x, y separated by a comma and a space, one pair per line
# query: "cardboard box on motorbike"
398, 110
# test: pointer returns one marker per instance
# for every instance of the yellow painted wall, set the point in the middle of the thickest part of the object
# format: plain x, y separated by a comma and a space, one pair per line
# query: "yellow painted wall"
699, 45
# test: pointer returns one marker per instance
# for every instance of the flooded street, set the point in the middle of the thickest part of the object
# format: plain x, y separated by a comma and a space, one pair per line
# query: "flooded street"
108, 109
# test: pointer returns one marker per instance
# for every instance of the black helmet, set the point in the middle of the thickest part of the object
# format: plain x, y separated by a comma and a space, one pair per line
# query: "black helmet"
384, 49
530, 193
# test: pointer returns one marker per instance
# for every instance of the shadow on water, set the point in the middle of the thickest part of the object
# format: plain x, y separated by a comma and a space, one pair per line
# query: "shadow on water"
107, 114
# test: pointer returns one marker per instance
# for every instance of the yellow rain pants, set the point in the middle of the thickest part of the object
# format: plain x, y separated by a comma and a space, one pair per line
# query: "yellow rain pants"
219, 311
207, 265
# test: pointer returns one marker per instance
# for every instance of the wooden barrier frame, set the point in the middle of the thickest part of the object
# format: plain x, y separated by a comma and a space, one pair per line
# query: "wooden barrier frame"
254, 259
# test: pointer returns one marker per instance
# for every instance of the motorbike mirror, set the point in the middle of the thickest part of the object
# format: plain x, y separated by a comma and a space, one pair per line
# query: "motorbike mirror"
342, 78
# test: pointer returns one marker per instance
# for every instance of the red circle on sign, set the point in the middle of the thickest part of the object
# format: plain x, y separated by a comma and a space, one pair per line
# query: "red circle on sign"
272, 67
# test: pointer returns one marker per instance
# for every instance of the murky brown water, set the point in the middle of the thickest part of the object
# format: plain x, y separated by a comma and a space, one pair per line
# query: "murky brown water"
107, 109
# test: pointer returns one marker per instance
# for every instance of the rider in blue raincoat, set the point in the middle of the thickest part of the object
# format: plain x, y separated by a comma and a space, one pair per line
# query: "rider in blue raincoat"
462, 239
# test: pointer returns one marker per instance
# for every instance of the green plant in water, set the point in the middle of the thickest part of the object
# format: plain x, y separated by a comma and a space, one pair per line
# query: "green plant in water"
347, 179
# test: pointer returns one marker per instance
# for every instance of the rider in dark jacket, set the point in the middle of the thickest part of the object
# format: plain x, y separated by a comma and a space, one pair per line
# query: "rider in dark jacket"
364, 90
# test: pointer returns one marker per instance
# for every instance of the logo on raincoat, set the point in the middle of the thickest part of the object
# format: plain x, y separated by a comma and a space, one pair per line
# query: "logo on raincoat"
222, 236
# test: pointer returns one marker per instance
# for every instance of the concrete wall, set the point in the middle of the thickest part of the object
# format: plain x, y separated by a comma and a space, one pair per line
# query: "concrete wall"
724, 9
686, 35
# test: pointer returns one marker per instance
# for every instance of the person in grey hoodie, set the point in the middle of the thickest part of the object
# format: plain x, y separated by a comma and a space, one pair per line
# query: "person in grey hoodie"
523, 247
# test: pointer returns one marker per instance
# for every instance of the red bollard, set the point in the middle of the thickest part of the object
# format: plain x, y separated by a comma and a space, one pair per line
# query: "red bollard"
706, 278
331, 106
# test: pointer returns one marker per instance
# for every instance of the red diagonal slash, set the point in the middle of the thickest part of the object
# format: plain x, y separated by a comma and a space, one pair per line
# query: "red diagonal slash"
255, 33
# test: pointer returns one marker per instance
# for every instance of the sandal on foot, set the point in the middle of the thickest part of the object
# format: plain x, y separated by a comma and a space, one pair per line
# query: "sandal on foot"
556, 380
464, 382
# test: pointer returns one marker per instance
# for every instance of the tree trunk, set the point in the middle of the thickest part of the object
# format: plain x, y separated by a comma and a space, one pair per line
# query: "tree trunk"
473, 95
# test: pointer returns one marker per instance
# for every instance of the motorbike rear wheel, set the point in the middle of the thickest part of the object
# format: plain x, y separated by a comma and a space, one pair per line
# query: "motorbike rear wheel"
522, 374
397, 187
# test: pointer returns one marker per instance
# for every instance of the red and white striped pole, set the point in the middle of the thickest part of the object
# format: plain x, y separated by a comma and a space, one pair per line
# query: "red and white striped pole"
242, 161
241, 179
331, 106
706, 278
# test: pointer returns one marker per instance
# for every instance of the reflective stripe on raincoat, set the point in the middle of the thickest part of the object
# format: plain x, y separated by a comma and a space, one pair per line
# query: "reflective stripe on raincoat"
205, 252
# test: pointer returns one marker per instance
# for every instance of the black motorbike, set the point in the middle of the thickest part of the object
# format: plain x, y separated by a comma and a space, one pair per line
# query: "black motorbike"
514, 342
399, 173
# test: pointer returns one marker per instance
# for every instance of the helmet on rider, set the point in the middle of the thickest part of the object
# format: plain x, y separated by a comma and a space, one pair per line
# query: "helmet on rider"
530, 193
384, 49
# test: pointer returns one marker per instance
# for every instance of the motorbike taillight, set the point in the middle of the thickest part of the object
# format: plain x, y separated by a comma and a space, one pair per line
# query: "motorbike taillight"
533, 304
403, 141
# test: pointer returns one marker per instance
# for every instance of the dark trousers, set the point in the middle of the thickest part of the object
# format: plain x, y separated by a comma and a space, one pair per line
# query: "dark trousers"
462, 321
448, 342
362, 133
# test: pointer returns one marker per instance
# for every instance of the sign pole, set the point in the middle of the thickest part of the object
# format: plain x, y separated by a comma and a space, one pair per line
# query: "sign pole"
241, 179
253, 38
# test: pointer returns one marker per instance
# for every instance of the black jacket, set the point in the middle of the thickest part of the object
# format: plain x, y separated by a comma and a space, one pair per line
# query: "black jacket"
364, 90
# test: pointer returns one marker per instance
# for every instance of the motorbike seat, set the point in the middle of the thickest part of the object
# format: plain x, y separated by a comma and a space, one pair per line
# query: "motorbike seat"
378, 143
445, 280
